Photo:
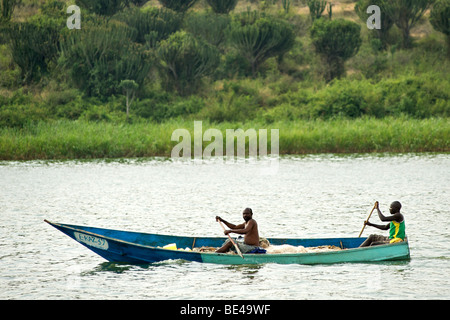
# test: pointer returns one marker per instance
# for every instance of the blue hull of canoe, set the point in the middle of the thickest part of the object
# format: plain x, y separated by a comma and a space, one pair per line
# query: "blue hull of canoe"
144, 248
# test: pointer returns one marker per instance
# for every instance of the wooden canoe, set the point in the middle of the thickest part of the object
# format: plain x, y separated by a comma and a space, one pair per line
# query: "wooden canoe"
144, 248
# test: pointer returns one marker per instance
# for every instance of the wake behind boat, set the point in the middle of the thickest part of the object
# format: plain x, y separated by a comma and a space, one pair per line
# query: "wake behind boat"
144, 248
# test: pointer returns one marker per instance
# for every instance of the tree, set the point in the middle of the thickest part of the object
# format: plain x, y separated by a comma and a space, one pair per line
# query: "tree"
210, 27
440, 19
316, 8
178, 5
152, 25
103, 7
259, 37
7, 9
222, 6
405, 14
129, 87
184, 60
98, 57
33, 46
337, 41
386, 22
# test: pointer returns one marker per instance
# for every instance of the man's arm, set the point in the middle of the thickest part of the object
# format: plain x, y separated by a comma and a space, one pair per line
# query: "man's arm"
242, 228
230, 225
378, 226
395, 217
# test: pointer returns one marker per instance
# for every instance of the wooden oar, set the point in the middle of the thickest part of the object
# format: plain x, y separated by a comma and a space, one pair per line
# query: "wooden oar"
232, 241
367, 220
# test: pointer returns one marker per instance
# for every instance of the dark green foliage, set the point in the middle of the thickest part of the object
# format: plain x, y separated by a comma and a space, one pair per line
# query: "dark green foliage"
440, 19
222, 6
99, 57
209, 27
316, 8
337, 41
151, 25
33, 46
7, 9
221, 67
386, 22
414, 96
259, 37
178, 5
405, 14
138, 3
184, 60
102, 7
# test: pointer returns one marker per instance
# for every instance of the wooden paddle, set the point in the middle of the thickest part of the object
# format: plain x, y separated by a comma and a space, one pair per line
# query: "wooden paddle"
232, 241
367, 220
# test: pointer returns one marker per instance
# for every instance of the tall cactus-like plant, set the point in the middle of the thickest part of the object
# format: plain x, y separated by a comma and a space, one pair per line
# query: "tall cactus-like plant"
211, 28
159, 22
386, 22
222, 6
440, 19
405, 14
7, 9
316, 8
286, 5
33, 45
337, 41
184, 60
102, 7
258, 38
178, 5
100, 56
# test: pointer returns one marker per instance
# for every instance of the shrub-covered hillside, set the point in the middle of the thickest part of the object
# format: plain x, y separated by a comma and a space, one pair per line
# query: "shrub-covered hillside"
222, 60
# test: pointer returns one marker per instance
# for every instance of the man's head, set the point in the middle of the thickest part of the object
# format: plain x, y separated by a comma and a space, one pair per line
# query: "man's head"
247, 214
395, 207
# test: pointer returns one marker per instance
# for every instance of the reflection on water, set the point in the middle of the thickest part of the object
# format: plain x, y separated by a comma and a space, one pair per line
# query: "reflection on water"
112, 267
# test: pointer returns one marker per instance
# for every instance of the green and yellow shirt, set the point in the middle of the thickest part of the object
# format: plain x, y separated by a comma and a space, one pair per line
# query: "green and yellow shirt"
397, 231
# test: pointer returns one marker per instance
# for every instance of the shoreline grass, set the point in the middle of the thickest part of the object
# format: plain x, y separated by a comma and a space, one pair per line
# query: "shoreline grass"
64, 139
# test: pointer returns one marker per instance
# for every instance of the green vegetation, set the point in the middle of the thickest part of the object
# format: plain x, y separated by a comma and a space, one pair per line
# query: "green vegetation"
138, 69
66, 139
338, 41
440, 19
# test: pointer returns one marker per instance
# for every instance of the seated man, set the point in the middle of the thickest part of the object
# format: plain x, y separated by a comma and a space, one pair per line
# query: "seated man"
396, 227
249, 229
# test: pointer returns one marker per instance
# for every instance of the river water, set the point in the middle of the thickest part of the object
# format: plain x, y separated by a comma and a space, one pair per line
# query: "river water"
300, 196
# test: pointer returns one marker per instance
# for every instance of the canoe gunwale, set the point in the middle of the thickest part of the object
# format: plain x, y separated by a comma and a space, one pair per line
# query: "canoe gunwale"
225, 258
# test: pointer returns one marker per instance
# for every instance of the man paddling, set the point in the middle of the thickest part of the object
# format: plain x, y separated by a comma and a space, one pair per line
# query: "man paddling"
249, 229
396, 226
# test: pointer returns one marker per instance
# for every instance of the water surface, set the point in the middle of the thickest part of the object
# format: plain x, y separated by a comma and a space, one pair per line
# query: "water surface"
305, 196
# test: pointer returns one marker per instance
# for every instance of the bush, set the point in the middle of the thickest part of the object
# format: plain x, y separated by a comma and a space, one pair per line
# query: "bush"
20, 109
415, 96
185, 60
